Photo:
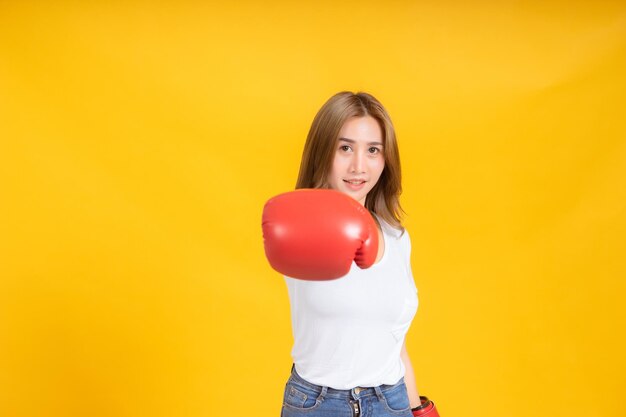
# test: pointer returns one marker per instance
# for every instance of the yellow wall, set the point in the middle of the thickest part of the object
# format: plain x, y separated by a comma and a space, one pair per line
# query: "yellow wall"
139, 143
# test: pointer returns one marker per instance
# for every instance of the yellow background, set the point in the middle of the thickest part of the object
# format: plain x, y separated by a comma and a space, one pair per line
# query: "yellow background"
140, 140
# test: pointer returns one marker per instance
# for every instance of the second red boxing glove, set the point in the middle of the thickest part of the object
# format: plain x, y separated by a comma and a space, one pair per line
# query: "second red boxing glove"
315, 234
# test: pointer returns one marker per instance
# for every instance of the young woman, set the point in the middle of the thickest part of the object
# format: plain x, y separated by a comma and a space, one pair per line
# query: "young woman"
349, 352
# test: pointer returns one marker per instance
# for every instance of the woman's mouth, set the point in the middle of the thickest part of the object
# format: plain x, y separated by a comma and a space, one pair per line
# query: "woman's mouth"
355, 184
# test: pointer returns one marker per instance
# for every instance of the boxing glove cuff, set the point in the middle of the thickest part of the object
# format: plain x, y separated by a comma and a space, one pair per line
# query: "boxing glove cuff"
427, 408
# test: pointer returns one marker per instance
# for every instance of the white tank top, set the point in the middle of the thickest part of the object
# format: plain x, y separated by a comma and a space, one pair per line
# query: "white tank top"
349, 332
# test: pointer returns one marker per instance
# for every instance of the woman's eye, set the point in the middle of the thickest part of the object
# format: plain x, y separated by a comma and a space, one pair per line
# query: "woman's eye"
344, 148
374, 150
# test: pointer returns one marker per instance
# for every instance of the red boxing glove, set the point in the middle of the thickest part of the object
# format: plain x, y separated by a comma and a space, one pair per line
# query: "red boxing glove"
427, 408
315, 234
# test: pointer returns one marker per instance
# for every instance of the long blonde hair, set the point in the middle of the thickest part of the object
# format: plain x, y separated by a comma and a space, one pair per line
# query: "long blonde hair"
322, 140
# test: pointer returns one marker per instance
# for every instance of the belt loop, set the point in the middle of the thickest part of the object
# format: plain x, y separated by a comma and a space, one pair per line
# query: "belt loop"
323, 393
379, 393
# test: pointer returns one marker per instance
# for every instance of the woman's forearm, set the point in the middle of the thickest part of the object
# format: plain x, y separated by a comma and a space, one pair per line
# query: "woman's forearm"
409, 379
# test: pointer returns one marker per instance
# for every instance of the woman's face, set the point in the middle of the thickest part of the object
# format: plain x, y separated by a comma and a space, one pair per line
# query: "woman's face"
359, 158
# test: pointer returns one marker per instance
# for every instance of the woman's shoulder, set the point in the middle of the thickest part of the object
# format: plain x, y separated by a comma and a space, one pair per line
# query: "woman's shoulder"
401, 237
397, 233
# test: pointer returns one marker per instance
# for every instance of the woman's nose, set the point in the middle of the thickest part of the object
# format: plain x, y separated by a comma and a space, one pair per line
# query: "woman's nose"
356, 163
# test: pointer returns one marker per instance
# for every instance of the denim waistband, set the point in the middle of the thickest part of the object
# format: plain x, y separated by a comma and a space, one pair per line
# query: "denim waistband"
353, 393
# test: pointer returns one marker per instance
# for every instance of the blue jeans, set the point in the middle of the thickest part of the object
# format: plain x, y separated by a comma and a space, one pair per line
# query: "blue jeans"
302, 398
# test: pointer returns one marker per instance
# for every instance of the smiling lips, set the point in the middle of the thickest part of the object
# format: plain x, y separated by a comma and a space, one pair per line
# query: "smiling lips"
355, 185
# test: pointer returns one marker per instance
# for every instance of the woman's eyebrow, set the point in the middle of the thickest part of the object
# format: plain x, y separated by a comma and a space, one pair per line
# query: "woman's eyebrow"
353, 141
